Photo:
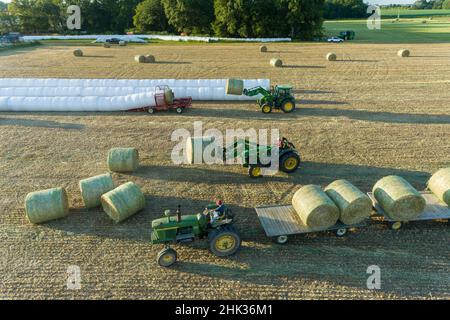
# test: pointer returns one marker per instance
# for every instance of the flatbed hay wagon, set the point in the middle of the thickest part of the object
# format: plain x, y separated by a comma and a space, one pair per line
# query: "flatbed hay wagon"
434, 210
281, 222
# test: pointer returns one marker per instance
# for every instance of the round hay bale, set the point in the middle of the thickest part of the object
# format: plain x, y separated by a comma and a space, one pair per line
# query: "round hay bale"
150, 59
439, 184
93, 188
123, 202
195, 148
78, 53
314, 207
106, 45
331, 56
140, 59
403, 53
46, 205
354, 206
276, 63
122, 43
399, 200
123, 159
234, 87
169, 96
263, 49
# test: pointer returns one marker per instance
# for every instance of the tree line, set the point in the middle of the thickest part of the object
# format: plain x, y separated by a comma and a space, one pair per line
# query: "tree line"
300, 19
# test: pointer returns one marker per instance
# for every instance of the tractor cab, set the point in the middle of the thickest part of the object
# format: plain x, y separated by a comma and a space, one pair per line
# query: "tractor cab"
281, 91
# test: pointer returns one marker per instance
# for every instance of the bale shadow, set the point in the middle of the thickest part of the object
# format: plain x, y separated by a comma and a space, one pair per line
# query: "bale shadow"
300, 91
362, 176
302, 67
172, 62
40, 123
95, 56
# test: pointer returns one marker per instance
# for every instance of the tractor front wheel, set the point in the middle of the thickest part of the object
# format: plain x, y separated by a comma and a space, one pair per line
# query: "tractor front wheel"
224, 242
166, 257
265, 108
288, 106
289, 162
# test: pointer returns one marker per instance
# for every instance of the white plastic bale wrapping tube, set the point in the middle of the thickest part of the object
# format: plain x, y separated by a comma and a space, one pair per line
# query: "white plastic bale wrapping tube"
107, 94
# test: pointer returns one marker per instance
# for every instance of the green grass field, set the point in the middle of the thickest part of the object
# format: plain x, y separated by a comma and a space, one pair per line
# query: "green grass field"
414, 26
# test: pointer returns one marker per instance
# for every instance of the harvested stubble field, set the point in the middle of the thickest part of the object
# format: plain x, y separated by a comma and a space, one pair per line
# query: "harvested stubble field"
368, 115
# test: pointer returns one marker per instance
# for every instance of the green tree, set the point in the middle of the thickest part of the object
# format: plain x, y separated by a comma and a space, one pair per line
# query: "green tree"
232, 18
191, 16
3, 6
150, 16
338, 9
446, 4
303, 18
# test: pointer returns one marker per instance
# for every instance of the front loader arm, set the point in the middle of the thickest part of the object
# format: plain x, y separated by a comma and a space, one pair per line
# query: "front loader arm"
255, 91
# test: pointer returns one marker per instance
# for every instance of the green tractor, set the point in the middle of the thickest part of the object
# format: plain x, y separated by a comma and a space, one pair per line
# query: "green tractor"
279, 97
288, 157
215, 224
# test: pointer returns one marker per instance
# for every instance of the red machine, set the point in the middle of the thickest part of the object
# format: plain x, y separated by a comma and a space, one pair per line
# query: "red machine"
162, 101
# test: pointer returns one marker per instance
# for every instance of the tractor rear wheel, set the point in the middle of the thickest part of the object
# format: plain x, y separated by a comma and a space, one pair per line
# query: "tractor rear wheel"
224, 242
166, 257
288, 106
266, 108
289, 162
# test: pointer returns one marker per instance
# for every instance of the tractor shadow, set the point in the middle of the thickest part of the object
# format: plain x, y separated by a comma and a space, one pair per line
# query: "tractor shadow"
199, 175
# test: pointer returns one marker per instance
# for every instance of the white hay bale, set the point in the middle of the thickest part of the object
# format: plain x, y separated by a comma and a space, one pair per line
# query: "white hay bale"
354, 206
399, 200
195, 148
93, 188
403, 53
331, 56
439, 184
46, 205
106, 45
140, 59
123, 159
78, 53
122, 43
314, 207
123, 202
276, 63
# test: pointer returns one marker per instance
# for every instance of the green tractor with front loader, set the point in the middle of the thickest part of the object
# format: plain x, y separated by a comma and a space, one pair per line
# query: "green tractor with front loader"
256, 157
215, 224
278, 97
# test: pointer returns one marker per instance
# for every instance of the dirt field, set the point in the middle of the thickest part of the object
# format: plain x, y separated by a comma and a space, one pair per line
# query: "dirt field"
367, 116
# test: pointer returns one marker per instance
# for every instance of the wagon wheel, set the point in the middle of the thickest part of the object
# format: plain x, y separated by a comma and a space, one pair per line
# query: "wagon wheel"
166, 257
151, 110
254, 172
341, 232
397, 225
283, 239
179, 110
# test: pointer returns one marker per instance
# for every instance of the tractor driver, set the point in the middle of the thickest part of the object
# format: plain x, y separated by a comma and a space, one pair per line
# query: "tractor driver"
218, 212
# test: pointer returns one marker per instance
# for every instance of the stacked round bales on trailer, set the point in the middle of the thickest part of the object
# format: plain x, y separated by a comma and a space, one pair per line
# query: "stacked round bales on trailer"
354, 206
398, 198
439, 184
314, 208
